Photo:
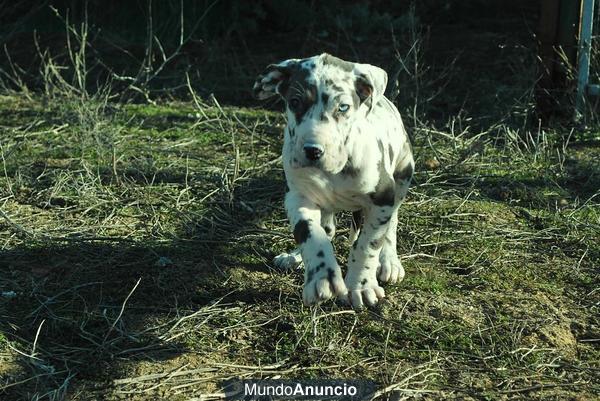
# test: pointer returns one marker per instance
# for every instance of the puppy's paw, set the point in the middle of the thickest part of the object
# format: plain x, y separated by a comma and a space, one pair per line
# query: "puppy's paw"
390, 269
364, 293
322, 283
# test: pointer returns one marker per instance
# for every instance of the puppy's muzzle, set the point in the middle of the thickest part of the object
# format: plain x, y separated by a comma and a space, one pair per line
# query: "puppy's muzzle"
313, 151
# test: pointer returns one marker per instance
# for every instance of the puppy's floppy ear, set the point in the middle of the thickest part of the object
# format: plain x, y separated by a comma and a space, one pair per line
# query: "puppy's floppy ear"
370, 83
273, 81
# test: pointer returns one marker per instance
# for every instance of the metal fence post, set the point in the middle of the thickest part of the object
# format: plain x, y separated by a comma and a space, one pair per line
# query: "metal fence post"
585, 47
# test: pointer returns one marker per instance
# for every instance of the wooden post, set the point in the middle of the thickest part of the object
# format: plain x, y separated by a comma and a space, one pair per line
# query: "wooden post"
557, 35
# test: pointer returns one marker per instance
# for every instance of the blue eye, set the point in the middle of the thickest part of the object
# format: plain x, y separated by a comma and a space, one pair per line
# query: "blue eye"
343, 107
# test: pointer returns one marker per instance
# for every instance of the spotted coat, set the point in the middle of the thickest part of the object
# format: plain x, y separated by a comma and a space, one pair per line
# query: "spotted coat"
345, 148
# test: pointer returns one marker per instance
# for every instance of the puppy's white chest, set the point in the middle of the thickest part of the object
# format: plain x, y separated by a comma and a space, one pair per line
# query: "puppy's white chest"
329, 192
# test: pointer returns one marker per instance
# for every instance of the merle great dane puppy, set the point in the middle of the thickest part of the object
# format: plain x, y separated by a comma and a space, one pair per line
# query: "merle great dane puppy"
345, 148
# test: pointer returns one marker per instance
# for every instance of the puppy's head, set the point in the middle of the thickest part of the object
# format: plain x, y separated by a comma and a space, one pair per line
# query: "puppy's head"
324, 96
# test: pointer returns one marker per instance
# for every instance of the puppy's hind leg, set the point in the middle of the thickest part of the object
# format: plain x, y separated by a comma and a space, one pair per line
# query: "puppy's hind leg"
328, 223
355, 224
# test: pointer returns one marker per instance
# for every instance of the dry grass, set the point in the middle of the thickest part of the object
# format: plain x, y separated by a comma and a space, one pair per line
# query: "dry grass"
136, 243
140, 253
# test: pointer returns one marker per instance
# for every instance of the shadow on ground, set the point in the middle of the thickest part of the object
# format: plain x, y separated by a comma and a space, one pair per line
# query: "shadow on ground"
87, 308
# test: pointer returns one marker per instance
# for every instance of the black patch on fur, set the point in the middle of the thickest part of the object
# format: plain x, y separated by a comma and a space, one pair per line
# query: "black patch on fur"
404, 174
330, 275
391, 153
321, 254
339, 63
299, 88
321, 265
376, 243
349, 169
324, 98
384, 193
309, 276
301, 231
363, 282
328, 230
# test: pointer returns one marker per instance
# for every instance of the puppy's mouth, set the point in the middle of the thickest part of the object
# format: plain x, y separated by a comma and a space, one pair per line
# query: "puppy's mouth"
302, 162
326, 164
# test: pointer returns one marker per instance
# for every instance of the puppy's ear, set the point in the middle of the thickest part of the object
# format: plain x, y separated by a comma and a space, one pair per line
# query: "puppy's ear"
370, 83
274, 79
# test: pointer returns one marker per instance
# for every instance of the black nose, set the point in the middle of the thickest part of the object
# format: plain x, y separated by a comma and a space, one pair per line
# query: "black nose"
313, 151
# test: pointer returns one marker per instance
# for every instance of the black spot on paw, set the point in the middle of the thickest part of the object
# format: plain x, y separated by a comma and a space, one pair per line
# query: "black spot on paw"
301, 232
320, 266
321, 254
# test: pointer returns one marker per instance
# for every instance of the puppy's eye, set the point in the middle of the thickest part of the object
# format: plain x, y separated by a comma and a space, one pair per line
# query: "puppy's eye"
343, 107
294, 103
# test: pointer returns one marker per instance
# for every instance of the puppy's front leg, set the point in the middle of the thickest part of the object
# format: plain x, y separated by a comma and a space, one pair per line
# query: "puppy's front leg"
322, 274
363, 262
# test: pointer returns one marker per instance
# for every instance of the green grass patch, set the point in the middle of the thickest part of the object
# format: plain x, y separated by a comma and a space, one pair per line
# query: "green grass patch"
139, 239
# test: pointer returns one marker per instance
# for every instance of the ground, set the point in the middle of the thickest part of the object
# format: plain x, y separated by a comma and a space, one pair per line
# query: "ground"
138, 224
137, 246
